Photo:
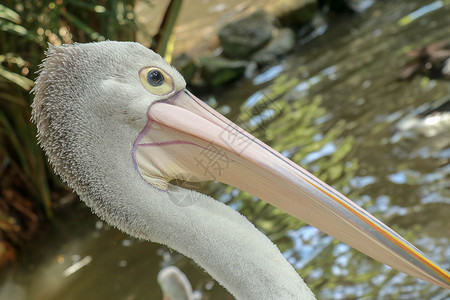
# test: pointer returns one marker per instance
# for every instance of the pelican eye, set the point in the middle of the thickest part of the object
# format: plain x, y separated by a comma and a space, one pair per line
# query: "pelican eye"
155, 78
156, 81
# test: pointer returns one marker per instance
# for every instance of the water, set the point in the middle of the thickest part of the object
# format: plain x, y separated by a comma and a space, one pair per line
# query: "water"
334, 107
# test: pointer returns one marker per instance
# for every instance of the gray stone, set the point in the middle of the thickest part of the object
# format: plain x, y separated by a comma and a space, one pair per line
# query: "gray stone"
244, 36
217, 70
280, 45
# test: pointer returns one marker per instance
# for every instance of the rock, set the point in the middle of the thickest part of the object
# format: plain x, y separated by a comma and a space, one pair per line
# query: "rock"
243, 37
217, 70
280, 45
293, 13
186, 66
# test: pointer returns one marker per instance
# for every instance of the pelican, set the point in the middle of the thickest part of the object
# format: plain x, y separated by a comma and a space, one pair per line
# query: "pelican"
118, 124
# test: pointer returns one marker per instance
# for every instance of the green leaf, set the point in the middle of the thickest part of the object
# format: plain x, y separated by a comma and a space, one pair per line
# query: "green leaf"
8, 14
20, 80
13, 28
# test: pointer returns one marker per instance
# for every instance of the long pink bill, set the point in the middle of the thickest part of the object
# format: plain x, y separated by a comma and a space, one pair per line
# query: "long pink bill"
185, 135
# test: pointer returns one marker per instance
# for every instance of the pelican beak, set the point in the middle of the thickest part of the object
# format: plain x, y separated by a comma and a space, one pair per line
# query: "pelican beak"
189, 137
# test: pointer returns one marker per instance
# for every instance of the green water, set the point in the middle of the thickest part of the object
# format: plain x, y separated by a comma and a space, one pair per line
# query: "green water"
333, 107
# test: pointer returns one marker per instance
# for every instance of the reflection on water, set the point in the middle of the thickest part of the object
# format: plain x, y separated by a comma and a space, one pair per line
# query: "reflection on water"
335, 108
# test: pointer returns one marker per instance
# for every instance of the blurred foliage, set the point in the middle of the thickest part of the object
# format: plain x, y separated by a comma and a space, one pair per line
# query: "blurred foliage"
28, 188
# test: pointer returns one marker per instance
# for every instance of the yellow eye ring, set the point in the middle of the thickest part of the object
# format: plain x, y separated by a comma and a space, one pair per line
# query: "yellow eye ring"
156, 81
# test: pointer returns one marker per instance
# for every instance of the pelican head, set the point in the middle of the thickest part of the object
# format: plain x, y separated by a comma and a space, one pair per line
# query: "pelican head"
118, 124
